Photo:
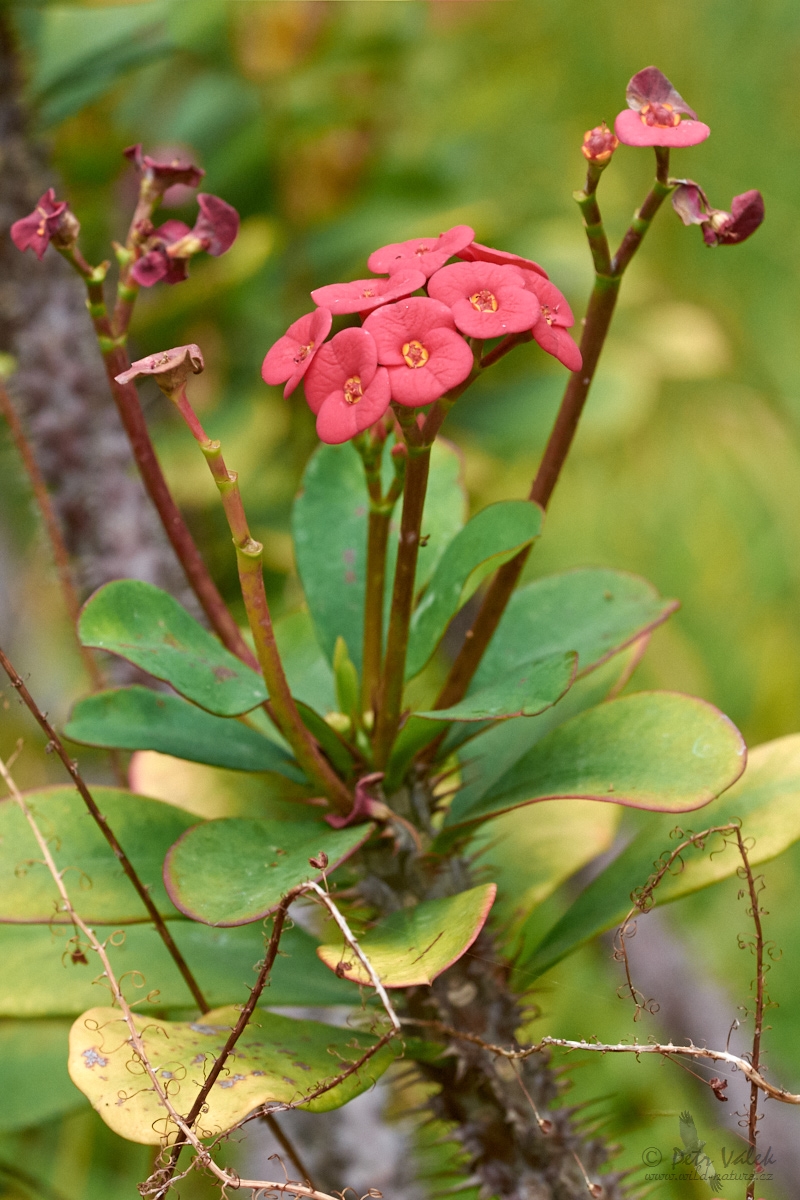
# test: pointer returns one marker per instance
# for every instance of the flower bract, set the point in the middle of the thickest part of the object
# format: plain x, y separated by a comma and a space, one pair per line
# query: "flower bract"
422, 254
169, 247
720, 228
364, 295
417, 342
164, 174
487, 301
475, 252
170, 367
291, 356
653, 116
39, 228
555, 318
345, 387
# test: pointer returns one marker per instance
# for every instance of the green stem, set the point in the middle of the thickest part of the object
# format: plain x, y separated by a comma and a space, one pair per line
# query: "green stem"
391, 689
596, 325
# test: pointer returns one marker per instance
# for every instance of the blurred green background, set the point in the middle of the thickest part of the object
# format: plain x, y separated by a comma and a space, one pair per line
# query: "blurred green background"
335, 127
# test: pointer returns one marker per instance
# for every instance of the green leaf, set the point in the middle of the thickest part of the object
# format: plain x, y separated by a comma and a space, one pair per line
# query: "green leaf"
346, 677
492, 537
529, 689
137, 718
235, 870
334, 746
139, 622
414, 945
329, 525
307, 670
276, 1058
36, 1084
656, 750
99, 889
767, 801
39, 978
594, 611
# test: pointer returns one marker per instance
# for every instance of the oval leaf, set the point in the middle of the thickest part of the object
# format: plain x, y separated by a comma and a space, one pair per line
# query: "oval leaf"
235, 870
139, 622
329, 525
491, 537
593, 611
99, 889
414, 945
529, 689
656, 750
39, 978
137, 718
276, 1059
767, 801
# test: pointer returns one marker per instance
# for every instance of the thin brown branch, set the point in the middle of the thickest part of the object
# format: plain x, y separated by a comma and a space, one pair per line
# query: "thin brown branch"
54, 741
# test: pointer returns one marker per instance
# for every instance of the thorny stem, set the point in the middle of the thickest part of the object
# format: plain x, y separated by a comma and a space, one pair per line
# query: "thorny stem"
60, 553
102, 823
608, 276
755, 1054
251, 579
391, 689
115, 360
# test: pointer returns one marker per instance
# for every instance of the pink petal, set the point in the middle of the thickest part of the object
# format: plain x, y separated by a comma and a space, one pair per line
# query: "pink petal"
351, 352
172, 231
290, 358
556, 341
631, 129
338, 420
449, 364
218, 223
364, 295
651, 86
517, 310
475, 252
150, 268
551, 298
396, 324
424, 254
462, 279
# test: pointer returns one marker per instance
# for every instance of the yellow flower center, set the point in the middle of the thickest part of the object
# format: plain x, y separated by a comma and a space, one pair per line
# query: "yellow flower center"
659, 114
549, 314
303, 352
484, 301
415, 354
353, 390
367, 293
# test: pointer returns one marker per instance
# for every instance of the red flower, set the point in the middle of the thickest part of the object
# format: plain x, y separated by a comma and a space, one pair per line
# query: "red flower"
417, 342
291, 356
164, 174
475, 252
51, 220
555, 318
345, 387
363, 295
653, 116
420, 254
487, 301
173, 243
720, 228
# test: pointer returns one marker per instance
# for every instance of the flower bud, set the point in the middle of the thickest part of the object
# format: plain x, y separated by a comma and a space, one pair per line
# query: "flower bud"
599, 144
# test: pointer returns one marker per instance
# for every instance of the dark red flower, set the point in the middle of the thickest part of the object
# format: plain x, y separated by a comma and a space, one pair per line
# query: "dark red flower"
653, 116
416, 340
720, 228
345, 387
291, 356
364, 295
421, 254
169, 247
487, 301
475, 252
555, 318
164, 174
50, 221
599, 144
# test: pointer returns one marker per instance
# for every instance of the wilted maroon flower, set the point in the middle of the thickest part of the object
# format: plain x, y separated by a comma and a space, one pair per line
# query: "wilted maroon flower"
486, 300
345, 387
475, 252
173, 243
720, 228
171, 368
653, 116
50, 221
164, 175
417, 341
550, 330
291, 356
421, 254
363, 295
599, 144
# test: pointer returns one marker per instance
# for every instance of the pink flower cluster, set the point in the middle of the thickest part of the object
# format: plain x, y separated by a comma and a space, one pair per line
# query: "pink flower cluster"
411, 348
